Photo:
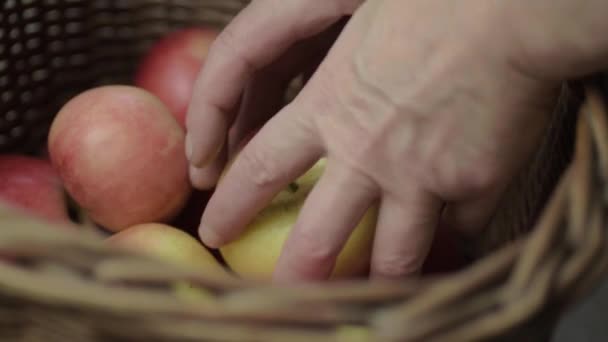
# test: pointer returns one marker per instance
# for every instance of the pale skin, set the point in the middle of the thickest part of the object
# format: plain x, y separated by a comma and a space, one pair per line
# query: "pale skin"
428, 107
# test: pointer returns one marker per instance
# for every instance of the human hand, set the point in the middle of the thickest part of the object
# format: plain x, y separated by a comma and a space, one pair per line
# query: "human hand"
417, 106
247, 71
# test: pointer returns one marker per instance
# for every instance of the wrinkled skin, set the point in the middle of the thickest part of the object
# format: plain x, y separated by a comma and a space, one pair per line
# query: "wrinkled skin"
429, 107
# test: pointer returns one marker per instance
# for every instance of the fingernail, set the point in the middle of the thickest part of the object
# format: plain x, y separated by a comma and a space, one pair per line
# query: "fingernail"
203, 179
189, 148
209, 237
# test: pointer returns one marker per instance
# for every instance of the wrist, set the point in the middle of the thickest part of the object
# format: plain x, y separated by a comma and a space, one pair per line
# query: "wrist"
558, 39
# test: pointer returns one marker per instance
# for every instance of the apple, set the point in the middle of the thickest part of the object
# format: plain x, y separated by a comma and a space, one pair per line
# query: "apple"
254, 253
120, 154
170, 68
32, 185
167, 243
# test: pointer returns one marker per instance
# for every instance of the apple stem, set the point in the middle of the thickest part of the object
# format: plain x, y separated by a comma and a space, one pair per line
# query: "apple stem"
293, 187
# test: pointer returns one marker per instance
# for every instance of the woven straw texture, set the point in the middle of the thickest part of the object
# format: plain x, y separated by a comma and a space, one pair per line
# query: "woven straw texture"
544, 249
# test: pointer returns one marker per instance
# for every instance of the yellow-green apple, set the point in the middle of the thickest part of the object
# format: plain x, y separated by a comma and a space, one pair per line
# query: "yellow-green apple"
254, 253
169, 244
31, 184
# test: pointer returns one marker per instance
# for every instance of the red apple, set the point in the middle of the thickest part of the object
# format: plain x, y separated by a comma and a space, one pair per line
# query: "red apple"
171, 66
120, 154
31, 184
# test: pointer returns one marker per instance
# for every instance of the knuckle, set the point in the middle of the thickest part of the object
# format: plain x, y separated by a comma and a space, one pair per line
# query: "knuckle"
229, 44
259, 167
479, 176
321, 92
475, 177
313, 254
319, 255
483, 179
366, 146
355, 142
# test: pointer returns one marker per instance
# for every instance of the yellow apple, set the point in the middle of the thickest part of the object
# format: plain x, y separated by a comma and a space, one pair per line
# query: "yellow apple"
353, 333
255, 252
168, 244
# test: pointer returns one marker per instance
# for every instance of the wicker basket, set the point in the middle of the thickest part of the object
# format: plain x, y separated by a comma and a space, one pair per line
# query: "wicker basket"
57, 286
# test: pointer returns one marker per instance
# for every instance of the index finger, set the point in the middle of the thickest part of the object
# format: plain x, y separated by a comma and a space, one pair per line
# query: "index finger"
261, 33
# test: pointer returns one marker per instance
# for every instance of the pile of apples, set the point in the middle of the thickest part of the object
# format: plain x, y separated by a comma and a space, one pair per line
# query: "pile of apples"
117, 152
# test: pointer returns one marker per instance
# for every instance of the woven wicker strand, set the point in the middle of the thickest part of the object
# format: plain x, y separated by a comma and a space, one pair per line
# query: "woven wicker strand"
60, 286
